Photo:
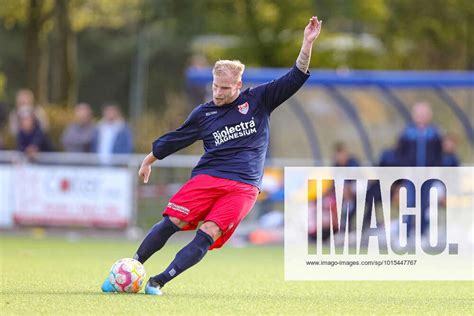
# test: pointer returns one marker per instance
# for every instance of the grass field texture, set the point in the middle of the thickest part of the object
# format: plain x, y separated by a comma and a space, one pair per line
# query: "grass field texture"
56, 276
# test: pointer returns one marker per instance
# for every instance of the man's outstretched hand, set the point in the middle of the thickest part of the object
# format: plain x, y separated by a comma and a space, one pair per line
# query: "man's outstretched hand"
311, 31
145, 168
144, 172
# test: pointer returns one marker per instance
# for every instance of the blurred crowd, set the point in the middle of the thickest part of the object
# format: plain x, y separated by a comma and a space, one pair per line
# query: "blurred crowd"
28, 125
420, 144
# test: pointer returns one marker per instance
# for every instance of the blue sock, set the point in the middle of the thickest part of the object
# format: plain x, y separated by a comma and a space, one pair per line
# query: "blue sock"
156, 239
191, 254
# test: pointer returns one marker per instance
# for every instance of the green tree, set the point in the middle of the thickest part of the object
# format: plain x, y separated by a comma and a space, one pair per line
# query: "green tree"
60, 20
34, 16
429, 35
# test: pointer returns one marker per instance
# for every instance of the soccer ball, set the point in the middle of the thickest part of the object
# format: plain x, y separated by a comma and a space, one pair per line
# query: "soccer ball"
127, 275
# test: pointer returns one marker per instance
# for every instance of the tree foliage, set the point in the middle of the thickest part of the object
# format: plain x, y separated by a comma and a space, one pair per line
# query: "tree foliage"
94, 50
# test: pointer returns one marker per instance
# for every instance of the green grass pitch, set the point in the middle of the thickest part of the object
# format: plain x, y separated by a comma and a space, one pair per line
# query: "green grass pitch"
54, 276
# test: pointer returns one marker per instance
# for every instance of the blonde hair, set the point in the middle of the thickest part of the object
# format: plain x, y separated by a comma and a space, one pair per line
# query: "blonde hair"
233, 67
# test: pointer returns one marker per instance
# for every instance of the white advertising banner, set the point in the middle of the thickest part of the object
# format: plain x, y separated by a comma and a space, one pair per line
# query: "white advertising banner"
6, 197
72, 196
379, 223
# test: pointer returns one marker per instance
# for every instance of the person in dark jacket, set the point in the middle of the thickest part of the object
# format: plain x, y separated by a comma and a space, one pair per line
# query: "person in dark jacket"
342, 157
450, 158
30, 138
420, 145
420, 142
389, 158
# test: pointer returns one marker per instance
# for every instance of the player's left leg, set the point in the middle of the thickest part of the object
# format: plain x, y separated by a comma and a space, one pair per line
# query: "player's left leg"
187, 257
158, 236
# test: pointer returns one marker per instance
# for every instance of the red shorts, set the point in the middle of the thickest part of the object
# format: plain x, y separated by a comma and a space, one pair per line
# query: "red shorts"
207, 198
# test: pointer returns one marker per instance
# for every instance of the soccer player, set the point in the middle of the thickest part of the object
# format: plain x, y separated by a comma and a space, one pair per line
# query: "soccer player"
235, 130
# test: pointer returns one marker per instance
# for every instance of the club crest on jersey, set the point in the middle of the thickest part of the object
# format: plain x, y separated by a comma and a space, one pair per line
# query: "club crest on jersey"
244, 108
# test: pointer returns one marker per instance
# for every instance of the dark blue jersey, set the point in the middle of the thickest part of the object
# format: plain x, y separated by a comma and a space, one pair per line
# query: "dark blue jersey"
420, 147
235, 135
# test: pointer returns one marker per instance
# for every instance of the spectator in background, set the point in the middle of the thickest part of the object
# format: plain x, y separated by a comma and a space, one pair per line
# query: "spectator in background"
113, 135
389, 158
450, 158
420, 142
420, 145
342, 157
25, 100
79, 135
30, 138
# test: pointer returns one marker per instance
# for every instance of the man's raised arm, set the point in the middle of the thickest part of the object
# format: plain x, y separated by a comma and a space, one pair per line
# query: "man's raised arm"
278, 91
311, 32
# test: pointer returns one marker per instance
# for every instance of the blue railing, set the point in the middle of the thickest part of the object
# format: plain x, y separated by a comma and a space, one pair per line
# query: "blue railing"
384, 81
408, 79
